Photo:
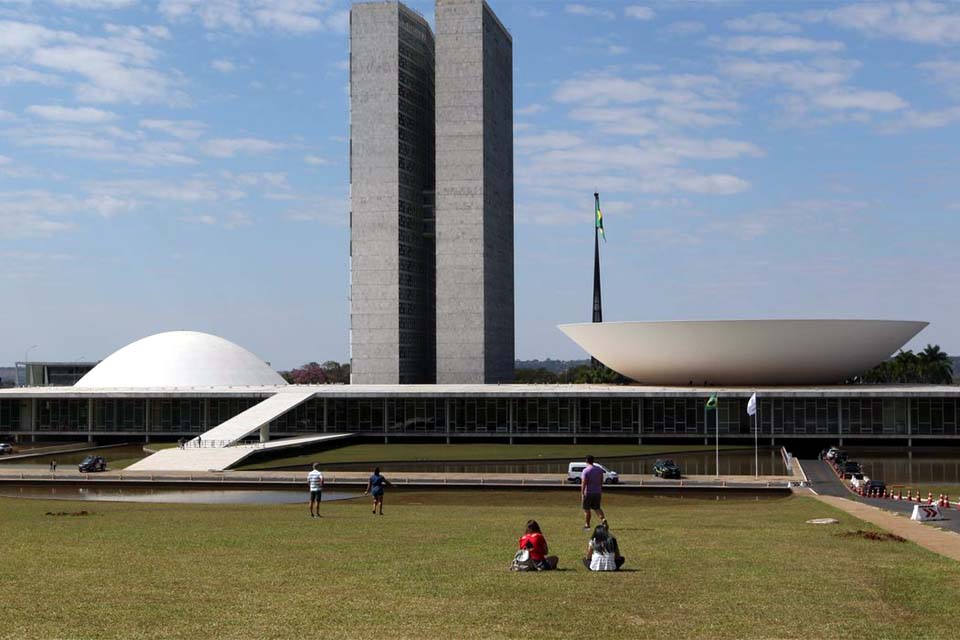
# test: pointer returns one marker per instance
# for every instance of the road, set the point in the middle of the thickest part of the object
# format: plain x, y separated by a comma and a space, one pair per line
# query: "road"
825, 482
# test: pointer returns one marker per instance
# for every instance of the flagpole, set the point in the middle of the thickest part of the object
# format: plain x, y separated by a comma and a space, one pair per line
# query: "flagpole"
717, 439
597, 300
756, 441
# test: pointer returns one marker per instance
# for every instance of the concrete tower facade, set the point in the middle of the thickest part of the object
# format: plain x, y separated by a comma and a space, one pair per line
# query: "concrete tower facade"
392, 253
474, 195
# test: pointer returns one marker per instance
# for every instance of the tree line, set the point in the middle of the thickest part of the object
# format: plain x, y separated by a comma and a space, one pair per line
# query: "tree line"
330, 372
930, 366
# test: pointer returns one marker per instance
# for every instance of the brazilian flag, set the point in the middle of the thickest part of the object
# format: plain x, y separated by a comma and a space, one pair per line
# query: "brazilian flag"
712, 402
599, 217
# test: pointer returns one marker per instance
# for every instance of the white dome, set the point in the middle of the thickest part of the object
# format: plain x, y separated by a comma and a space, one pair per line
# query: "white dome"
181, 359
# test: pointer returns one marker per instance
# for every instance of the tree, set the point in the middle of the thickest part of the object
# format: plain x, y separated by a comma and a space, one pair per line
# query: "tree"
588, 374
931, 366
535, 376
936, 364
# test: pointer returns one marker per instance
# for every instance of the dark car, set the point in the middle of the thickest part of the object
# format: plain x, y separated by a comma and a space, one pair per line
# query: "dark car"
666, 469
92, 463
874, 487
840, 457
850, 468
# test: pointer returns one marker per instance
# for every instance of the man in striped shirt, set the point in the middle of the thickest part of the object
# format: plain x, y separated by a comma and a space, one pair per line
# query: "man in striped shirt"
315, 479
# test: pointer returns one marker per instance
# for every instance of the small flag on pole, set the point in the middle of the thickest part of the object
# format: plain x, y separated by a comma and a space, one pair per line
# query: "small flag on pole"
712, 402
599, 217
752, 405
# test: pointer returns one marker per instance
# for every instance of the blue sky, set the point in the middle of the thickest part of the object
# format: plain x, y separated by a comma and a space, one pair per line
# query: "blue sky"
183, 165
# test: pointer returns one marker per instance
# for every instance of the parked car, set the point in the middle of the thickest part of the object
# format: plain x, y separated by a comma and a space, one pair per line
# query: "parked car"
576, 468
6, 447
831, 453
850, 468
666, 469
857, 479
840, 457
92, 463
874, 487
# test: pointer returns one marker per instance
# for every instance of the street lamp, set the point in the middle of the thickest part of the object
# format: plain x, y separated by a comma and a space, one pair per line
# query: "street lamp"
26, 364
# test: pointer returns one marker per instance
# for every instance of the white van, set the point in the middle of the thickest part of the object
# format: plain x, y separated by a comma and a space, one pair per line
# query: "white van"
576, 468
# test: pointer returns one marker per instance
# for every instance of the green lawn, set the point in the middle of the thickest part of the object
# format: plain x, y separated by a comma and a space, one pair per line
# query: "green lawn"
380, 453
435, 567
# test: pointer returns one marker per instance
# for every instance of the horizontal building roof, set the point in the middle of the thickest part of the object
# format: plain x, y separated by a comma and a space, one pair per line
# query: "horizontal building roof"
490, 391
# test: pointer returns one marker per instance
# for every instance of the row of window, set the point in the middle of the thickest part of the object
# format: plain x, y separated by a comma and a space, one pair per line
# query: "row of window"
776, 416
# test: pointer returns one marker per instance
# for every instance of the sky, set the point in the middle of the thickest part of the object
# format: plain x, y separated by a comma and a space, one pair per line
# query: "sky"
183, 164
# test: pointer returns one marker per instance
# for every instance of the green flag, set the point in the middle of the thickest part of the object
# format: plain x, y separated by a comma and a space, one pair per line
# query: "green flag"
598, 217
712, 402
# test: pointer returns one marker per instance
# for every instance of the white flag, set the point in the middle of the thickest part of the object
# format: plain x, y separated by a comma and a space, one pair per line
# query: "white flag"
752, 405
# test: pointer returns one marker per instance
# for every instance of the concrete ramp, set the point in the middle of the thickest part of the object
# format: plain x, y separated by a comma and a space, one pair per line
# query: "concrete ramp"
222, 458
243, 424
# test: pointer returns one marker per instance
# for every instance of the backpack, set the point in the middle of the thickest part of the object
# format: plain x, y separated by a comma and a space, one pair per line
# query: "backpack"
523, 562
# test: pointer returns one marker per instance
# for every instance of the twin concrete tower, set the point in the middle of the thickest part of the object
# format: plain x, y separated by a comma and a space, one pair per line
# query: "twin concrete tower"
431, 185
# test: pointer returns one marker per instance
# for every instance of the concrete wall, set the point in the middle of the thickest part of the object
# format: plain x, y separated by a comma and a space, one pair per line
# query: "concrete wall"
391, 311
474, 195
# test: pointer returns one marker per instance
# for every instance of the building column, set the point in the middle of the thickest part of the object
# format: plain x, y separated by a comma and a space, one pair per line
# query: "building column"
89, 419
33, 419
146, 417
510, 419
446, 417
265, 432
206, 416
324, 423
909, 422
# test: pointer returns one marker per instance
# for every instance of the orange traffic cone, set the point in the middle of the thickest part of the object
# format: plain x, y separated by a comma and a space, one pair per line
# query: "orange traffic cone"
909, 495
929, 497
900, 493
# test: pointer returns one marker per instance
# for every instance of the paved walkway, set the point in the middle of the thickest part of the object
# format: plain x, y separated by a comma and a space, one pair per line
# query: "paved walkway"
220, 458
946, 543
12, 474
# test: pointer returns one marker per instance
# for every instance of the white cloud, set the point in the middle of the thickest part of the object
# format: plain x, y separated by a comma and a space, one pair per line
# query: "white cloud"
96, 4
924, 120
617, 50
295, 17
924, 22
316, 160
638, 12
117, 67
36, 213
223, 66
233, 220
548, 140
848, 98
584, 10
531, 109
180, 129
685, 28
16, 74
762, 22
945, 73
71, 114
229, 147
777, 44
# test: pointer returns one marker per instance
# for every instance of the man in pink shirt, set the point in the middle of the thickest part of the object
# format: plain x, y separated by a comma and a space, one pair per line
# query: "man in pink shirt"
591, 488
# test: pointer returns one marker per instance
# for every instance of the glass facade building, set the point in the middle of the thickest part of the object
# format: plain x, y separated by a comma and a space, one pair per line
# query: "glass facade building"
492, 412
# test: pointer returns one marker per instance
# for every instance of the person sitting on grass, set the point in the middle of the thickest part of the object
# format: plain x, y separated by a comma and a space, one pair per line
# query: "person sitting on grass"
536, 544
603, 553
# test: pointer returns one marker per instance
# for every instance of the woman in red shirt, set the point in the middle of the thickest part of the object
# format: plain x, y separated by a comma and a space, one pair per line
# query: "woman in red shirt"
534, 541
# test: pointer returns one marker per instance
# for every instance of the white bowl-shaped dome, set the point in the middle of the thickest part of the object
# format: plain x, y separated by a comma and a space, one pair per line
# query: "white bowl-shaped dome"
181, 359
742, 352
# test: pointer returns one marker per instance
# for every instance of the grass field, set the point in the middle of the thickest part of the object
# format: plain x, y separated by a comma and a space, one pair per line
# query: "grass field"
435, 567
379, 453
